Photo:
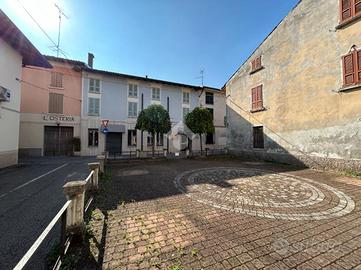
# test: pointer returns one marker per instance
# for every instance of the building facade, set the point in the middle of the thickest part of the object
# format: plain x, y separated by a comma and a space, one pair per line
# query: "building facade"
15, 51
297, 99
50, 108
116, 99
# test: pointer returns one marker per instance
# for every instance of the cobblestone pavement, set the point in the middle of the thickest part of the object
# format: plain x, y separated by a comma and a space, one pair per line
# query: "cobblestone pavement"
227, 214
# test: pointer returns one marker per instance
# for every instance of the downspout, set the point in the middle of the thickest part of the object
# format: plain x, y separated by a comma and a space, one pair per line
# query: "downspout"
167, 136
141, 133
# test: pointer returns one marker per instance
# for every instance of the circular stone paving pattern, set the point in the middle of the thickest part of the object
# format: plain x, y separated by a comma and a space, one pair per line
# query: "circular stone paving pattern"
265, 194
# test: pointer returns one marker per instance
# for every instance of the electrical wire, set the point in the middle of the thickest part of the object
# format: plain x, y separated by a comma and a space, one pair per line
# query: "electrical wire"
45, 89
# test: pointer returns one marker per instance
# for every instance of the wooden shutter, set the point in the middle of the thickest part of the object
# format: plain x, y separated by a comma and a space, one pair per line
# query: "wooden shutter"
55, 103
96, 106
349, 69
253, 65
259, 97
254, 98
346, 9
258, 62
357, 7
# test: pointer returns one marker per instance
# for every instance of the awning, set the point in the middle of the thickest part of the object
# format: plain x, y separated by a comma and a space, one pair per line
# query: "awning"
116, 128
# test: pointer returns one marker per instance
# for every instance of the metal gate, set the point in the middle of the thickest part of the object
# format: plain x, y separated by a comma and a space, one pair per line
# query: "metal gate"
114, 143
58, 141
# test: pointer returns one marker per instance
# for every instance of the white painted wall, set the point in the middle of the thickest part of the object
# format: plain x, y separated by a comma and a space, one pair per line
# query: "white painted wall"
10, 69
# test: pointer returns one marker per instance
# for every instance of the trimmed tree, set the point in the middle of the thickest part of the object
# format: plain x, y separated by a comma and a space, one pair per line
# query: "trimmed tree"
200, 121
154, 119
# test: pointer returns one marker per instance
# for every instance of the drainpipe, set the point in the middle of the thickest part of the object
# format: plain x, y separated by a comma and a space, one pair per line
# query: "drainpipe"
167, 136
141, 133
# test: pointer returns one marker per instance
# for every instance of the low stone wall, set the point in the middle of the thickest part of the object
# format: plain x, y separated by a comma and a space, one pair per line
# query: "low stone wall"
314, 162
8, 158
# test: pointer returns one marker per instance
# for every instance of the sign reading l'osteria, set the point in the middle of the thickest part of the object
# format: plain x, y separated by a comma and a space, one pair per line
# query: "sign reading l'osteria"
58, 118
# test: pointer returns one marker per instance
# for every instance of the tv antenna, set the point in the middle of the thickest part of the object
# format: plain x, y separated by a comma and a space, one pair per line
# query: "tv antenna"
61, 14
201, 76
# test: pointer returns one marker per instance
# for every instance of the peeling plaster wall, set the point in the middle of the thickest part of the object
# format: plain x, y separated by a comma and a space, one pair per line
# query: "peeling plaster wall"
305, 114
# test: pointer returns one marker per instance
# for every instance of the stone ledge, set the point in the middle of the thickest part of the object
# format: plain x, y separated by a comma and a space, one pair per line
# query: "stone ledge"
256, 70
350, 88
348, 22
258, 110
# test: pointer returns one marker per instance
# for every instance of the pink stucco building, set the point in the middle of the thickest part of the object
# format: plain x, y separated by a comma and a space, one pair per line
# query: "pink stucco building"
50, 108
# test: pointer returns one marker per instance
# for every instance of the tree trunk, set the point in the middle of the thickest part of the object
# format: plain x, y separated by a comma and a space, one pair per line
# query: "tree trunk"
200, 138
153, 144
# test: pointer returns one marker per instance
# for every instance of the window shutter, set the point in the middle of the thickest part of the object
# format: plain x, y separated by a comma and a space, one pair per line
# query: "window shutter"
60, 103
357, 6
96, 106
348, 69
253, 65
254, 98
259, 97
91, 106
258, 62
346, 9
358, 54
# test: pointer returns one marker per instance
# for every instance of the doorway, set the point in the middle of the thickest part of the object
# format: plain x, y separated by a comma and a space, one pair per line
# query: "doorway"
114, 143
58, 141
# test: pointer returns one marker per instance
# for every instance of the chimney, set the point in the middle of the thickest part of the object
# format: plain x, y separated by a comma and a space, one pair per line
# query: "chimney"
90, 60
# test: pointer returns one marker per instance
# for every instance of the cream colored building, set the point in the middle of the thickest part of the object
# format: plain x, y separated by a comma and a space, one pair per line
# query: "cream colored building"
15, 51
297, 99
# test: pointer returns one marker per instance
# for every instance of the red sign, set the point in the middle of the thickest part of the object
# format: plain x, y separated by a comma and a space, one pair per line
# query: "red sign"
105, 123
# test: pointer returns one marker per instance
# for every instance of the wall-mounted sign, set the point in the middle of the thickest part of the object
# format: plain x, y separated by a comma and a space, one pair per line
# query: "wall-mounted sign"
58, 118
104, 130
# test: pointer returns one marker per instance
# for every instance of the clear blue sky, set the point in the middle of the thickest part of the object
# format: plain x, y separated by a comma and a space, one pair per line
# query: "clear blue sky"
164, 39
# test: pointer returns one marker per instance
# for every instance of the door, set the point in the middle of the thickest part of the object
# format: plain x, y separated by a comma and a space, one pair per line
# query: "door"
114, 143
58, 141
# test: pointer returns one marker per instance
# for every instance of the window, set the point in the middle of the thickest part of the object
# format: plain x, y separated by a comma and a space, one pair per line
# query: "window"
93, 106
185, 112
55, 103
94, 86
155, 93
132, 109
352, 68
349, 9
211, 112
160, 138
132, 137
56, 80
257, 64
210, 138
186, 97
209, 98
133, 90
93, 137
258, 138
149, 139
257, 98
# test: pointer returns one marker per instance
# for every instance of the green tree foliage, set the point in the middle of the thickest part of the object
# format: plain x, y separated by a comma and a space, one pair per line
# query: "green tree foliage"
200, 121
154, 119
